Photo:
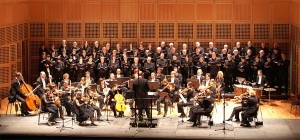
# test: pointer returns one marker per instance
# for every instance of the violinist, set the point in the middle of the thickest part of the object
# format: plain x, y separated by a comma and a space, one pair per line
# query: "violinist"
189, 92
199, 76
82, 85
89, 80
65, 79
17, 94
211, 89
165, 87
205, 106
251, 105
85, 110
65, 97
236, 110
42, 81
93, 97
176, 82
50, 106
101, 89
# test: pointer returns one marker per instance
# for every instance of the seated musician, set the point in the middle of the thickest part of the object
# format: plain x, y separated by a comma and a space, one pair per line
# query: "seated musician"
17, 94
111, 101
159, 74
101, 88
93, 97
189, 91
85, 110
42, 81
66, 79
167, 89
199, 76
65, 98
236, 110
174, 93
205, 105
82, 85
251, 105
88, 79
261, 79
50, 106
118, 75
177, 74
112, 77
212, 88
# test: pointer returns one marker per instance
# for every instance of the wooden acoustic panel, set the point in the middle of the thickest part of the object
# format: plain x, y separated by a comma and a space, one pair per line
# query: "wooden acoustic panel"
242, 31
166, 30
110, 30
281, 31
20, 31
2, 36
14, 33
74, 30
8, 34
223, 31
92, 30
185, 30
37, 29
4, 74
261, 31
204, 30
4, 55
4, 91
147, 30
129, 30
55, 30
13, 52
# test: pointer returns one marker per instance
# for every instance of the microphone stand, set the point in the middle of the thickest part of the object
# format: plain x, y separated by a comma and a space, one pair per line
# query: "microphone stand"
224, 124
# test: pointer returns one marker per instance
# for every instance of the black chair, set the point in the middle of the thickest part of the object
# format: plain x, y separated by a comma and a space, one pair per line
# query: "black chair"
42, 112
253, 116
208, 115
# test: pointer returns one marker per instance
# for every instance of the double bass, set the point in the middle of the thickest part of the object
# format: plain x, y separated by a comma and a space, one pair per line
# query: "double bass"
32, 101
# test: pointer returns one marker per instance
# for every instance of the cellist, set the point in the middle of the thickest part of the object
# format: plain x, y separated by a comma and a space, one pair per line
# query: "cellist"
17, 94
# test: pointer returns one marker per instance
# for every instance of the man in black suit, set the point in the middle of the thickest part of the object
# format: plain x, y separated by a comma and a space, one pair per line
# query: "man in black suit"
17, 94
176, 81
141, 88
42, 81
261, 79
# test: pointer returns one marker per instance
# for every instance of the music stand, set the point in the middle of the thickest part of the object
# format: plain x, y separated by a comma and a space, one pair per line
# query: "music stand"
123, 79
74, 84
93, 87
153, 85
112, 83
195, 83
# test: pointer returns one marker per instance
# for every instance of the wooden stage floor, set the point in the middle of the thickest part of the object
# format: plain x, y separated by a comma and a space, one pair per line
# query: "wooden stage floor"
279, 123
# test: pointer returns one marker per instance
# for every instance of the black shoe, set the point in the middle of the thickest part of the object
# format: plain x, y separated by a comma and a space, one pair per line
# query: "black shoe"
93, 124
182, 115
165, 115
62, 118
230, 119
27, 113
194, 125
49, 123
237, 121
80, 123
23, 115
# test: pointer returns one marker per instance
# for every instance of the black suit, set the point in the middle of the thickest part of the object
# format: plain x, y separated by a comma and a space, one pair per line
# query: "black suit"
263, 81
40, 90
141, 88
16, 93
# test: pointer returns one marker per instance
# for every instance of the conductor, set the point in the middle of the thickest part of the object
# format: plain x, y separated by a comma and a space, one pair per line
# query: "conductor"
140, 87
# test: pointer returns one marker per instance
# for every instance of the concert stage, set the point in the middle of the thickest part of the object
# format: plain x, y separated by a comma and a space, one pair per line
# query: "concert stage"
278, 123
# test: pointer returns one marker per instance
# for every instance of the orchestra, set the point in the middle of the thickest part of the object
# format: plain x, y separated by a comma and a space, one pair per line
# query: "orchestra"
215, 70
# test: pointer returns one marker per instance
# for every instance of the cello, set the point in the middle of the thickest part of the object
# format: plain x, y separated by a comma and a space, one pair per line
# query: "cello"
120, 104
32, 101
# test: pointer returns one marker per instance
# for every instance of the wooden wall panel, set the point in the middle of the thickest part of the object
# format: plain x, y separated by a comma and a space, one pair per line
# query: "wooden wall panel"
92, 12
129, 11
148, 11
37, 11
281, 12
110, 11
166, 11
204, 12
223, 11
73, 12
22, 12
185, 12
242, 12
261, 12
55, 12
